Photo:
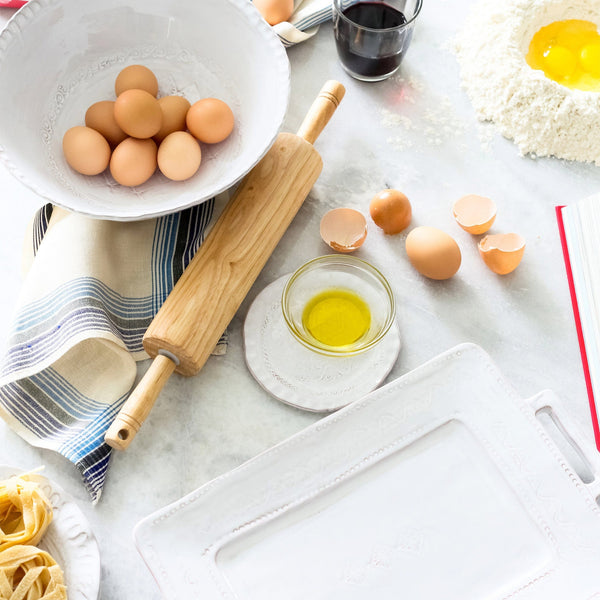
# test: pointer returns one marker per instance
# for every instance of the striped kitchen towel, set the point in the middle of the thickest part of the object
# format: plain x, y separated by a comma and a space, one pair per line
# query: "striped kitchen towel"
91, 289
304, 22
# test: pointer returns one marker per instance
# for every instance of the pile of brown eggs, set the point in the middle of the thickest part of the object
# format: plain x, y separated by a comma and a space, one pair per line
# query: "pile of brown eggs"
138, 132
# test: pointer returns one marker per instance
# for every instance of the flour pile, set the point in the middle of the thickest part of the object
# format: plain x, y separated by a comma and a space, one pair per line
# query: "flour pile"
543, 117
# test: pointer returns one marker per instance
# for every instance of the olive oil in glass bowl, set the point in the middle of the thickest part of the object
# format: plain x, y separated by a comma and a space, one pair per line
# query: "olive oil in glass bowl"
338, 305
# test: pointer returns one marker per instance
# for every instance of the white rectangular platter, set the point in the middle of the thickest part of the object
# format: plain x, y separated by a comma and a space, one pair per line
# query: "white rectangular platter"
441, 484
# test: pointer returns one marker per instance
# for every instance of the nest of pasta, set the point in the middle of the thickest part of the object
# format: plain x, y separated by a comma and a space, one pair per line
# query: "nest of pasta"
25, 512
30, 573
26, 572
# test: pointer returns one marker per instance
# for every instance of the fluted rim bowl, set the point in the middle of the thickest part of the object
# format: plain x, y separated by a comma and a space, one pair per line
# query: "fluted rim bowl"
346, 272
57, 57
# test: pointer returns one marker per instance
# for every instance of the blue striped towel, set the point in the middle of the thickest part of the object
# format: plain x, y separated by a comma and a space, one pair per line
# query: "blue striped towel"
91, 290
304, 22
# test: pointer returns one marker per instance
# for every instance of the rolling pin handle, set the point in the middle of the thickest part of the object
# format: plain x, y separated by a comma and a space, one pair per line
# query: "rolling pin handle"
322, 109
137, 407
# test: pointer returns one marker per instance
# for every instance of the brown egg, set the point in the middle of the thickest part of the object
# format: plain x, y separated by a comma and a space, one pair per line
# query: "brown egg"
502, 252
343, 229
275, 11
179, 155
174, 109
133, 161
138, 114
101, 117
136, 77
391, 210
433, 252
474, 214
210, 120
86, 150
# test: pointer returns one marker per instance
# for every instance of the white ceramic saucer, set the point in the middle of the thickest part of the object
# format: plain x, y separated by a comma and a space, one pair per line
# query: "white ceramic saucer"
300, 377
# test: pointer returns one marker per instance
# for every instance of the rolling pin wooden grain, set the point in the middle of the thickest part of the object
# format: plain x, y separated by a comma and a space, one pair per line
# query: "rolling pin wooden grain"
197, 311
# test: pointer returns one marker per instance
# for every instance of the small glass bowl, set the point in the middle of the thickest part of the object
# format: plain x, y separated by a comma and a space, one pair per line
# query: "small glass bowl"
340, 272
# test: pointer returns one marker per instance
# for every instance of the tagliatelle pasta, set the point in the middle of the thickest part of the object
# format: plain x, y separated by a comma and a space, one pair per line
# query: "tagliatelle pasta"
25, 512
28, 573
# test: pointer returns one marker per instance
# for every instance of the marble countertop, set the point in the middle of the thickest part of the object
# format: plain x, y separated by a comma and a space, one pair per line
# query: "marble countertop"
416, 132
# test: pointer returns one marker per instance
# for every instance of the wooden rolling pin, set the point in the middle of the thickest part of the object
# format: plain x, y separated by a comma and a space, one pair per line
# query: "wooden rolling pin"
201, 305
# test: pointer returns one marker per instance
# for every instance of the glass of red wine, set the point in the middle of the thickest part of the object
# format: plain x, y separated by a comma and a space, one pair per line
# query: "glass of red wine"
372, 36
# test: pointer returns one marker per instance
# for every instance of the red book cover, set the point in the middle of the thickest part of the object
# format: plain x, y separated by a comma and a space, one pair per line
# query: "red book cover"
582, 350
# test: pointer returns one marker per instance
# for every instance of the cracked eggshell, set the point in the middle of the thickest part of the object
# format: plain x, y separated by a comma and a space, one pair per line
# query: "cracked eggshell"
343, 229
502, 252
475, 214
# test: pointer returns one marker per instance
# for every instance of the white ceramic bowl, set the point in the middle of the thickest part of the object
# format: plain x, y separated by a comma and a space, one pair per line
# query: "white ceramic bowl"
57, 57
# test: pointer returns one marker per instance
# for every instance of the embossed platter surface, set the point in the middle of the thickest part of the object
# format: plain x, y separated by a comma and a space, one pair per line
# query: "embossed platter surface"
441, 484
69, 540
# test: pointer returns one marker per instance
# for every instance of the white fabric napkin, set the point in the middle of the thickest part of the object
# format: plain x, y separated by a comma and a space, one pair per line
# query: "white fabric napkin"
91, 289
304, 22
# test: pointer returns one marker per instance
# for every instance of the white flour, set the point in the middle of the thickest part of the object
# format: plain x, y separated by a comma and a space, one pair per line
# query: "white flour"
436, 121
543, 117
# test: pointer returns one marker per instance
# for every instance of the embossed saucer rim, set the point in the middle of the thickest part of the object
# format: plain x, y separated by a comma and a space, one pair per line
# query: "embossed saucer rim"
364, 372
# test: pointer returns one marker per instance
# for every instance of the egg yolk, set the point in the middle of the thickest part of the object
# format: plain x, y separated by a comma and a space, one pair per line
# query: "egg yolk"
568, 52
336, 317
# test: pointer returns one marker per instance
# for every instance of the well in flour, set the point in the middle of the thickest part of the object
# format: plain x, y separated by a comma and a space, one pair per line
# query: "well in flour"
543, 117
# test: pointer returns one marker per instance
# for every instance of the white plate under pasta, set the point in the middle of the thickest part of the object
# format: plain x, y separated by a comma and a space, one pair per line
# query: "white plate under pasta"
69, 540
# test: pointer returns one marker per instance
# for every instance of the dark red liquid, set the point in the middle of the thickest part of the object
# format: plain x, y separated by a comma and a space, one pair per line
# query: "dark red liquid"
371, 53
375, 15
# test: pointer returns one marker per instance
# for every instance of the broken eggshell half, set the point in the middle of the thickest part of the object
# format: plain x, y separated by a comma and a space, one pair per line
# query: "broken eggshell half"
475, 214
343, 229
502, 252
